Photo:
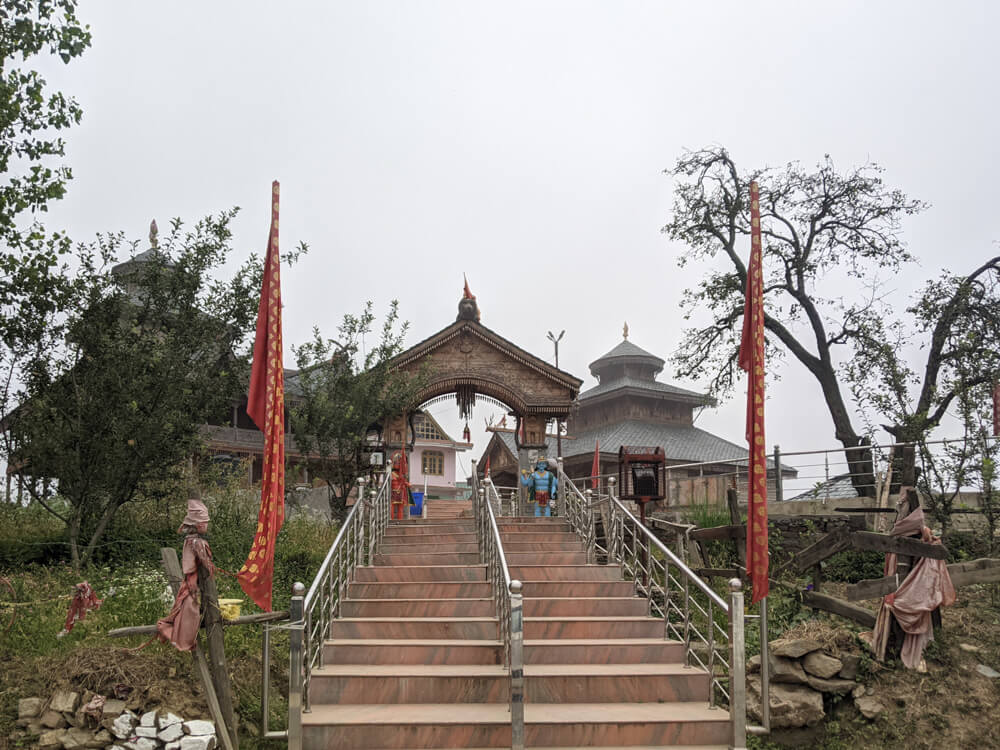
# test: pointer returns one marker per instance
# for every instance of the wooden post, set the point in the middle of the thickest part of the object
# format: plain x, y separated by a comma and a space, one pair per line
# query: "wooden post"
175, 577
212, 619
732, 499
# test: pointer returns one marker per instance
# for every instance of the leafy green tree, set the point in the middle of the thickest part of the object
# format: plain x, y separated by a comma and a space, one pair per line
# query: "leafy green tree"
157, 347
34, 285
342, 394
824, 232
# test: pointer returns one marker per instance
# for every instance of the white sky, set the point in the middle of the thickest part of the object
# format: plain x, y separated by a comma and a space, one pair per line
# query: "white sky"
523, 143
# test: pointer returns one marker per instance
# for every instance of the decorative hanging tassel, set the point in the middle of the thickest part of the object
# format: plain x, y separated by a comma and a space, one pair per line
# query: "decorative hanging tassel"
467, 434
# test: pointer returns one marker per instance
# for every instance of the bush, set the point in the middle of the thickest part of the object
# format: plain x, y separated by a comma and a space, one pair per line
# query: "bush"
851, 566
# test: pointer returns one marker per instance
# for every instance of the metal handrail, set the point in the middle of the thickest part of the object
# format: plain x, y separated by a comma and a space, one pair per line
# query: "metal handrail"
507, 598
689, 615
312, 615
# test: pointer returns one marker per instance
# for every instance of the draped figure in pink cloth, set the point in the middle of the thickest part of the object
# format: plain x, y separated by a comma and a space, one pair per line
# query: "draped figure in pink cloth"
927, 587
180, 626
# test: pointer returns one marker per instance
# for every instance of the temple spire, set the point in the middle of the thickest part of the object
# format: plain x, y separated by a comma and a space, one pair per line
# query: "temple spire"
154, 235
625, 331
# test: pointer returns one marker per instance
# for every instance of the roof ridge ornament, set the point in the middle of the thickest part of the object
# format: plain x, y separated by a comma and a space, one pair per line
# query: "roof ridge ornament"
625, 331
154, 235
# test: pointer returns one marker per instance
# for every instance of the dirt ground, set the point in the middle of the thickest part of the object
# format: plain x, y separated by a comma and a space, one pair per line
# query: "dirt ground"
951, 706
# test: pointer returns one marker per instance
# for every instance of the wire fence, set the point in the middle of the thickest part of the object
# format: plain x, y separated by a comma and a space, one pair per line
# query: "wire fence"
824, 475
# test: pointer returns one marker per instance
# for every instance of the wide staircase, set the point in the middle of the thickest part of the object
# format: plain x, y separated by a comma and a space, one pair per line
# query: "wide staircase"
415, 659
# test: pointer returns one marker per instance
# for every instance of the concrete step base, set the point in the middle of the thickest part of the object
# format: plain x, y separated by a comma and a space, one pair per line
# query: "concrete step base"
411, 651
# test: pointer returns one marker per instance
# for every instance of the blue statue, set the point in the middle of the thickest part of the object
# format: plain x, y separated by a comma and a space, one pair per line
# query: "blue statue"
541, 484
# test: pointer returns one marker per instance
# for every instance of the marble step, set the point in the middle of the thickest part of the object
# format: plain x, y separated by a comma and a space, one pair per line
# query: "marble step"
544, 683
427, 557
597, 606
425, 590
483, 607
487, 725
614, 683
604, 651
424, 539
574, 588
426, 628
411, 651
418, 546
526, 573
545, 558
557, 628
417, 573
410, 683
569, 545
418, 528
525, 525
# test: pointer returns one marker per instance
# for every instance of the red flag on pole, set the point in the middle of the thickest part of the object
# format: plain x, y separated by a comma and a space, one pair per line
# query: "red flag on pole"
751, 359
266, 407
595, 469
996, 409
466, 292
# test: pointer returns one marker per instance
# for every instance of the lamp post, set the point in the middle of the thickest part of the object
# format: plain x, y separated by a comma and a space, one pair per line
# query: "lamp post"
555, 342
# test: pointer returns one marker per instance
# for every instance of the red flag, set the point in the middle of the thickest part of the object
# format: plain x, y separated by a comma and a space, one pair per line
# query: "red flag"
487, 472
467, 293
751, 359
266, 407
595, 469
996, 409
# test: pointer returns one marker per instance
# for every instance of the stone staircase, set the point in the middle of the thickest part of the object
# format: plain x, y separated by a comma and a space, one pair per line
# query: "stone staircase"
415, 660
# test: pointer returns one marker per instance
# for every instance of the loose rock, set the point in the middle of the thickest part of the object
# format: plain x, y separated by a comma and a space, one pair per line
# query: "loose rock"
787, 670
869, 707
142, 743
200, 742
821, 665
51, 740
839, 687
141, 731
791, 705
148, 719
199, 728
793, 647
171, 733
64, 700
168, 719
113, 707
76, 739
987, 671
123, 725
101, 739
851, 663
53, 720
29, 708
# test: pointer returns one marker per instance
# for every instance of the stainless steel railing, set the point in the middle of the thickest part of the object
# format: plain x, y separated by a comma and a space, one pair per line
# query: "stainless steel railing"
311, 615
507, 598
711, 629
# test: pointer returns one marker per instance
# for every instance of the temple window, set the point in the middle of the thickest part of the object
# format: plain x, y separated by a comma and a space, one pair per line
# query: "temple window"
432, 462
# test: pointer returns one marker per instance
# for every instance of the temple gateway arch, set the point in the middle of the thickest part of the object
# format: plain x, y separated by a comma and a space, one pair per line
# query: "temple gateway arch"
468, 359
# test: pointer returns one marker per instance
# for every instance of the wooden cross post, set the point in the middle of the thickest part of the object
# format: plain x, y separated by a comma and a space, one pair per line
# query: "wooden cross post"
215, 679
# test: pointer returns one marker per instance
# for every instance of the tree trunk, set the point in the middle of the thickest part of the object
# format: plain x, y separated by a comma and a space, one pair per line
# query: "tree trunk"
860, 463
102, 526
74, 539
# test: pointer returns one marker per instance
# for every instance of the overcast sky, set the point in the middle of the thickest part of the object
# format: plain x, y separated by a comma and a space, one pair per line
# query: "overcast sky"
524, 143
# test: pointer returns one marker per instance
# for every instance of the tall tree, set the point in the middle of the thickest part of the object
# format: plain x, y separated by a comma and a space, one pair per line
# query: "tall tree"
824, 231
343, 392
34, 285
157, 347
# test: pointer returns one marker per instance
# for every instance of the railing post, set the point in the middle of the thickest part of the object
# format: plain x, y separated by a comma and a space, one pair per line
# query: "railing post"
295, 666
591, 533
765, 669
265, 684
481, 525
779, 485
737, 667
366, 518
516, 666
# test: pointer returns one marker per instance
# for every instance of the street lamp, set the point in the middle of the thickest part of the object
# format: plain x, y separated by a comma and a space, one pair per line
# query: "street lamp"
555, 342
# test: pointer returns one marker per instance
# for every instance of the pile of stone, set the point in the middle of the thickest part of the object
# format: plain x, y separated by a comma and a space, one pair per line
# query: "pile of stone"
69, 721
801, 676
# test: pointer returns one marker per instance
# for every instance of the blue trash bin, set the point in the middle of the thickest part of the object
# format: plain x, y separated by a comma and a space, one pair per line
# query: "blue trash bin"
416, 509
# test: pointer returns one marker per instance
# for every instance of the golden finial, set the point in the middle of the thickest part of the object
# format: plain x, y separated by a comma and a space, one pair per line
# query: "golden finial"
154, 233
625, 331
